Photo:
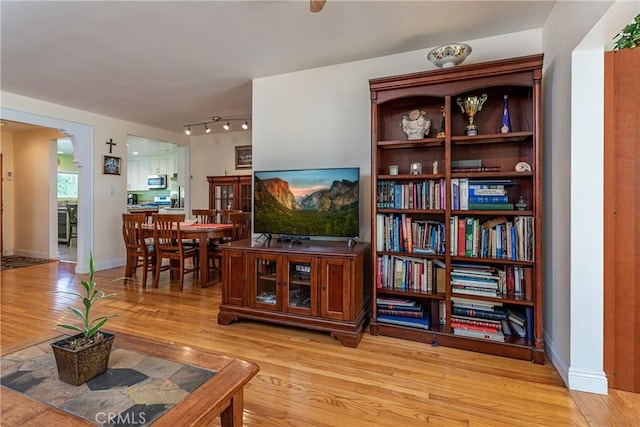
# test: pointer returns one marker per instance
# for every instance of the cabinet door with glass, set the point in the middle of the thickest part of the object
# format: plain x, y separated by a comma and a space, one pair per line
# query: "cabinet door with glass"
230, 192
265, 281
299, 290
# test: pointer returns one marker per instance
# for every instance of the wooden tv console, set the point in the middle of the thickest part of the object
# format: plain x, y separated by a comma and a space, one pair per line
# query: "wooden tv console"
318, 285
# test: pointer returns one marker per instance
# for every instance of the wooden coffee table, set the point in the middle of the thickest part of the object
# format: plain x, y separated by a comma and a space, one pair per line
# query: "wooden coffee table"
221, 395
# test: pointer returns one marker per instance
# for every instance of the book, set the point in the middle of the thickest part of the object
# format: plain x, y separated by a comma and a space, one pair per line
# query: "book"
528, 312
415, 307
517, 329
441, 285
491, 336
481, 314
464, 194
471, 163
396, 301
455, 193
489, 199
423, 323
480, 328
401, 313
468, 239
497, 324
491, 206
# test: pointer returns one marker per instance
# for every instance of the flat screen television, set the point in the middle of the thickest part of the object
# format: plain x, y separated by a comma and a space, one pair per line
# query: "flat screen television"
307, 202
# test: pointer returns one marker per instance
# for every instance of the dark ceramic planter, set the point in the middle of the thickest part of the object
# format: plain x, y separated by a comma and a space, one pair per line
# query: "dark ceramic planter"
79, 366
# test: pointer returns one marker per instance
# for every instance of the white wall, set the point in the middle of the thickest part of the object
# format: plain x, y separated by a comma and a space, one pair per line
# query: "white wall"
321, 117
573, 158
587, 143
102, 198
214, 155
559, 40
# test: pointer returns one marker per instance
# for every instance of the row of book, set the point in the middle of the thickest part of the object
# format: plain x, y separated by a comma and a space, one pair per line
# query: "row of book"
404, 273
490, 320
400, 233
492, 281
429, 194
470, 318
497, 238
475, 194
403, 312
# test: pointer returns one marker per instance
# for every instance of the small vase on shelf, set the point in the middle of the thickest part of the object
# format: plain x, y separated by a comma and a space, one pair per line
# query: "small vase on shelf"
505, 126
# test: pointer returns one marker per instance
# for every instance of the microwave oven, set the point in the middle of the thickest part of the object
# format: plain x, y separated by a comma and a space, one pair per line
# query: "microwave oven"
157, 181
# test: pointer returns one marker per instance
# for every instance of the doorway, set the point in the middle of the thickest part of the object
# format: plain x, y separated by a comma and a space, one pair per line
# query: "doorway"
81, 136
67, 201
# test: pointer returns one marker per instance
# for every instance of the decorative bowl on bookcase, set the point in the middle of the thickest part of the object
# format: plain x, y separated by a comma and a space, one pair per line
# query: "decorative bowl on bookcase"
449, 55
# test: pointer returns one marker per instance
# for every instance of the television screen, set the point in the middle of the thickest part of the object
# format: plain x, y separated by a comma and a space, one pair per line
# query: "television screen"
308, 202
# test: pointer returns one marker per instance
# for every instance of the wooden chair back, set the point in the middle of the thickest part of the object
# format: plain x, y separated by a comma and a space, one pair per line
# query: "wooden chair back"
139, 253
131, 225
204, 216
241, 225
167, 217
225, 215
168, 241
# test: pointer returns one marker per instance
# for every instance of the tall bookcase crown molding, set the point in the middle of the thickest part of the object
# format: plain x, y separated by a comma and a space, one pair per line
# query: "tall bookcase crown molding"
457, 213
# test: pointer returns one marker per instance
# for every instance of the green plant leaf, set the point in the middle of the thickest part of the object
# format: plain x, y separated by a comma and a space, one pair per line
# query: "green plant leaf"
72, 327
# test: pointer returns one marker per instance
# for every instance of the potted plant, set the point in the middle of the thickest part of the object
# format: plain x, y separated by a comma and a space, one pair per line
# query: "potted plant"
85, 355
629, 36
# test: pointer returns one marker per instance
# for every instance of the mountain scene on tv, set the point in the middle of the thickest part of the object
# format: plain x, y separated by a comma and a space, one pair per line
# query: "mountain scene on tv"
307, 203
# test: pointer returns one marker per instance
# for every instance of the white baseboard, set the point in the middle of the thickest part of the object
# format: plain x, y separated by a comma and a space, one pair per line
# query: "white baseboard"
32, 254
589, 381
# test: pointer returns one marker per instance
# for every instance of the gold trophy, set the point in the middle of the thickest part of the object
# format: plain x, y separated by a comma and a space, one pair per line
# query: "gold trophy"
470, 106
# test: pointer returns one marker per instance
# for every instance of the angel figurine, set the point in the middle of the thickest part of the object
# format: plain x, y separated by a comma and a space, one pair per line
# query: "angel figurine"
416, 125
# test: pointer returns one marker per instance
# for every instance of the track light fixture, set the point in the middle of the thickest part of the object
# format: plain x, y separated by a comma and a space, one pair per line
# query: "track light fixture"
214, 120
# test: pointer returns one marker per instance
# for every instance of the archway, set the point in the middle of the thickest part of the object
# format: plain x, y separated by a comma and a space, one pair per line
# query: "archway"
81, 136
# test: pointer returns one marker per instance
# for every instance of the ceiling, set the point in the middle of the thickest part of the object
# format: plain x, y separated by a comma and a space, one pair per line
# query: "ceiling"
166, 64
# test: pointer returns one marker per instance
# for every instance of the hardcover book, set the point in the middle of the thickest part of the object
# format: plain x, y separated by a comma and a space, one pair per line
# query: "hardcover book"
423, 323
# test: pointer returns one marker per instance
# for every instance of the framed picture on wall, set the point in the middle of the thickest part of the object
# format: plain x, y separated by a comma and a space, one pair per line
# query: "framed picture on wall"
111, 165
244, 159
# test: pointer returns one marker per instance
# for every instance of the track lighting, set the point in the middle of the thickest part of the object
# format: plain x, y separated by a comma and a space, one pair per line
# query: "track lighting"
214, 121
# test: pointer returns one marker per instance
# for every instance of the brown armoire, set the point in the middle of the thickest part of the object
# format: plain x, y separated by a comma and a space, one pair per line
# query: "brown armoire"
622, 220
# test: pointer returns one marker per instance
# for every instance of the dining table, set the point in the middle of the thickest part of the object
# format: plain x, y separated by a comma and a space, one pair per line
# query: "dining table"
201, 233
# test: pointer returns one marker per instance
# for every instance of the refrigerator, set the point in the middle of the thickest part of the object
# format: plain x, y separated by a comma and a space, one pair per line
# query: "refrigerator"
176, 192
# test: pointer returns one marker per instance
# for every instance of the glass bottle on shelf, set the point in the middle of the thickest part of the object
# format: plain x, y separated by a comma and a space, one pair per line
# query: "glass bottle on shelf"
505, 126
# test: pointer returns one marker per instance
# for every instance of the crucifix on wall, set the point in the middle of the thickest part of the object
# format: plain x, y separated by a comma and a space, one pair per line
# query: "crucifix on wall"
110, 143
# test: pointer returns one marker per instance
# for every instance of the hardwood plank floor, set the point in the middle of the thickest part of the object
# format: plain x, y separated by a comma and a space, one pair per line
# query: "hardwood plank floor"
307, 378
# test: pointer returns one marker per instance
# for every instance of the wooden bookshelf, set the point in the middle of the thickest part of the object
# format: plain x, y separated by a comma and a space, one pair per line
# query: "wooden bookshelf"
425, 204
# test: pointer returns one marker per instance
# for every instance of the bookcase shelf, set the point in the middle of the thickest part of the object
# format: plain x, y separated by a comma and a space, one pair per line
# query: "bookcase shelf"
479, 269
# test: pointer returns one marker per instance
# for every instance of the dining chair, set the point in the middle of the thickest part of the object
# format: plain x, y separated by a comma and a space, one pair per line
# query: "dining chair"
140, 253
72, 211
169, 245
241, 225
225, 215
241, 230
204, 216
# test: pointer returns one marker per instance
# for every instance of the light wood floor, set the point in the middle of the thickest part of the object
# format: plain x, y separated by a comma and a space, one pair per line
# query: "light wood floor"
307, 378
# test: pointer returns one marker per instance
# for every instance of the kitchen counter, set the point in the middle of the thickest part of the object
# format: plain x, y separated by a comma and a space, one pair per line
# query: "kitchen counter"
141, 209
